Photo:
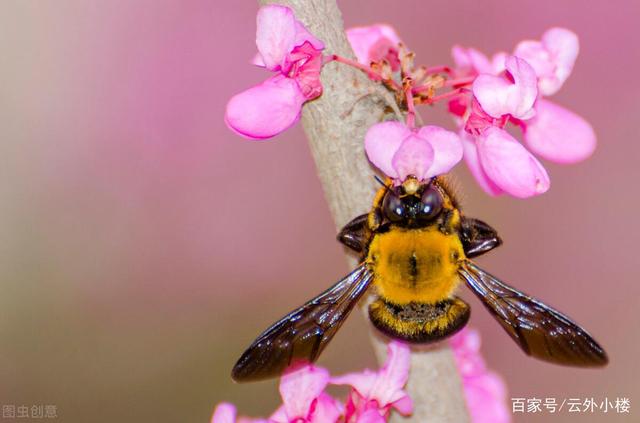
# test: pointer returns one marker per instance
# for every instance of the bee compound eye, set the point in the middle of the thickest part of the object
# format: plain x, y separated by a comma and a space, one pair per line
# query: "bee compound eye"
393, 207
430, 203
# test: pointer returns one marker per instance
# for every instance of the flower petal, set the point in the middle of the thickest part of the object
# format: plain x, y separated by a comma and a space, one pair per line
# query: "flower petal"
498, 61
563, 46
308, 75
387, 389
478, 120
558, 134
382, 141
486, 400
304, 36
509, 165
371, 416
470, 60
362, 382
499, 96
275, 34
414, 157
257, 61
327, 410
265, 110
300, 387
382, 389
373, 43
538, 57
251, 420
404, 405
447, 149
395, 371
224, 413
552, 58
279, 416
466, 348
466, 341
473, 162
485, 392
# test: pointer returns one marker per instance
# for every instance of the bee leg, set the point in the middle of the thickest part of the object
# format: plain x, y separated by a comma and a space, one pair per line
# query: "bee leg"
356, 234
478, 237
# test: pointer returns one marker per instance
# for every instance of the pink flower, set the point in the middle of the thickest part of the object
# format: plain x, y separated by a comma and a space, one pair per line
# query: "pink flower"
303, 400
303, 397
556, 133
375, 43
286, 47
374, 394
501, 164
226, 413
470, 61
552, 57
496, 159
484, 391
399, 151
513, 93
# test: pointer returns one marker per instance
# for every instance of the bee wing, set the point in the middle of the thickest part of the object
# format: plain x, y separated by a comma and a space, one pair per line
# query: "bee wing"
302, 334
541, 331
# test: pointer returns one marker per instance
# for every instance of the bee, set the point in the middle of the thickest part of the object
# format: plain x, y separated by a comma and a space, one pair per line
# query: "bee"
416, 247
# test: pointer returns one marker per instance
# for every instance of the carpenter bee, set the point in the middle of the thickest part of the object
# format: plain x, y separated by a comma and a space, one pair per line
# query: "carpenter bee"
416, 247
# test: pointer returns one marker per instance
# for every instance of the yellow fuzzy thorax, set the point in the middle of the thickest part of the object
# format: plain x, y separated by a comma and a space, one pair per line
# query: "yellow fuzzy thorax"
415, 265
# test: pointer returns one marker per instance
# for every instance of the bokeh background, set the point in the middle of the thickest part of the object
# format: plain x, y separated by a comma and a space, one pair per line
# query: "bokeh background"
143, 245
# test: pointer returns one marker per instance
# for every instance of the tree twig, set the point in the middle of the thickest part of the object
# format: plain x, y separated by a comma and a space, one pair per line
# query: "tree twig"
335, 125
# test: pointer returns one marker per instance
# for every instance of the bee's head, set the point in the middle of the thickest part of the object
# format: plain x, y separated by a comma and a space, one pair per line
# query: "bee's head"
413, 202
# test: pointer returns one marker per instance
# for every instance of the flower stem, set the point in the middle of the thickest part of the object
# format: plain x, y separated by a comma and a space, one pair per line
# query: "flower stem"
411, 108
459, 81
438, 69
373, 75
452, 93
370, 73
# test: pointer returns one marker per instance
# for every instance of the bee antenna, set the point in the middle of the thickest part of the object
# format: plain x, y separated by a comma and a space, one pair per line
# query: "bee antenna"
380, 181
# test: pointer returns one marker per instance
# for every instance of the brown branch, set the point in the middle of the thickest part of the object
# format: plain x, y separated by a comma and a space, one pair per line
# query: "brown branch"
335, 125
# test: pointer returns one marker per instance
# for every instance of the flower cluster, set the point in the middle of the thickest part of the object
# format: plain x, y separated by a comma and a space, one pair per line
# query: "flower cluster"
485, 95
372, 397
374, 394
511, 89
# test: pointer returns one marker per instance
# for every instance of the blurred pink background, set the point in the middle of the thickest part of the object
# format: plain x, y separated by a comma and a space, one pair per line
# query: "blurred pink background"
145, 245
